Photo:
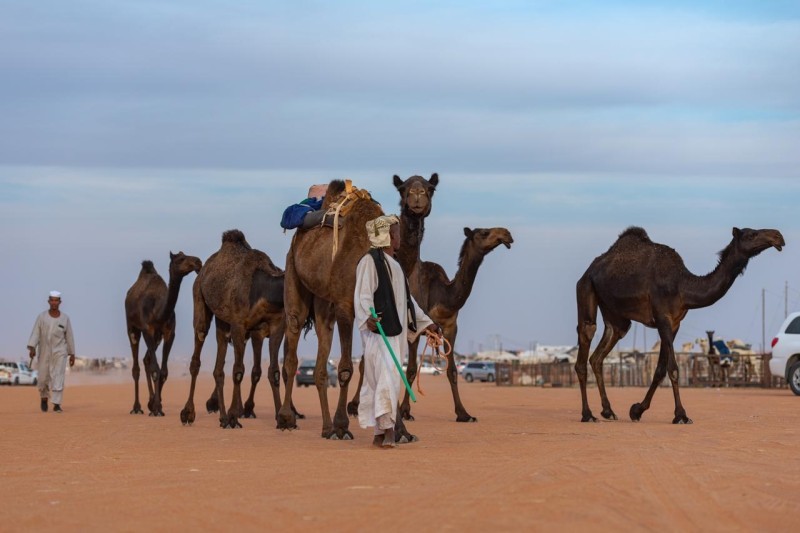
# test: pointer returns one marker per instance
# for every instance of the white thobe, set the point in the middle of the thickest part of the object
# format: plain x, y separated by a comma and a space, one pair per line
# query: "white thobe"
382, 382
54, 342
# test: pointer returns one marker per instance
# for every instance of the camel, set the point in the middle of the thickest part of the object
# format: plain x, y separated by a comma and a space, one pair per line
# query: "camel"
150, 311
637, 279
240, 288
437, 295
319, 281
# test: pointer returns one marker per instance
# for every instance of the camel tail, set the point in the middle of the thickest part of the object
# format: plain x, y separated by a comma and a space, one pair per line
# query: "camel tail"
309, 324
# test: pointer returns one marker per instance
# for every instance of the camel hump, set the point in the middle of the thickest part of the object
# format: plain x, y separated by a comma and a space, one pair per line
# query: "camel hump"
335, 189
235, 236
635, 232
148, 267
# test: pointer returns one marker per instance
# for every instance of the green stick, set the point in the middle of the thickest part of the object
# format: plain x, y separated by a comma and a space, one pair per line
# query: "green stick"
394, 357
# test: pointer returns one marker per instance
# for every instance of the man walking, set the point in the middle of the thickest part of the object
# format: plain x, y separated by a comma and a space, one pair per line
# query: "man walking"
52, 334
381, 284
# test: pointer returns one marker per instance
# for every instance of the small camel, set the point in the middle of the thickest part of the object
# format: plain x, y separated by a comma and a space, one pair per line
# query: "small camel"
637, 279
319, 281
150, 311
240, 288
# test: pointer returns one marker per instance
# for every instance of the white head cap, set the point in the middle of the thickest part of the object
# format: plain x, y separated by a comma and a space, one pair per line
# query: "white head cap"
55, 294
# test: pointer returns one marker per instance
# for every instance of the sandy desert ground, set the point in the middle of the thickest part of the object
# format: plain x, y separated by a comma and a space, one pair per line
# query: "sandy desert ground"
527, 464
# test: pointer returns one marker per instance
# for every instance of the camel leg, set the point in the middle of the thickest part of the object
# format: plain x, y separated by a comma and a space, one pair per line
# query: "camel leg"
452, 375
239, 338
344, 321
296, 302
612, 333
274, 371
324, 317
223, 332
297, 414
257, 341
152, 372
134, 335
637, 409
169, 338
404, 411
202, 322
672, 371
352, 407
587, 326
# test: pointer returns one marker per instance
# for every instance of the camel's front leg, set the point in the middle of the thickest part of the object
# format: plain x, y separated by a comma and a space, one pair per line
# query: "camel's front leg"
452, 375
257, 341
239, 342
341, 422
352, 406
404, 411
134, 336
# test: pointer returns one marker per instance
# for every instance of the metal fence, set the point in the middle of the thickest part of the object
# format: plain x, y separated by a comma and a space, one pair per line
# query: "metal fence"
635, 369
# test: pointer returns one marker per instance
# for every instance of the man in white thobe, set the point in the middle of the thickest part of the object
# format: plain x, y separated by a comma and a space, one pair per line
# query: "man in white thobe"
52, 334
382, 382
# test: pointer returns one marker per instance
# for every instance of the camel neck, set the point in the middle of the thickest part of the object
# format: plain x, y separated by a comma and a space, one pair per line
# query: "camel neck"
173, 289
702, 291
412, 230
468, 265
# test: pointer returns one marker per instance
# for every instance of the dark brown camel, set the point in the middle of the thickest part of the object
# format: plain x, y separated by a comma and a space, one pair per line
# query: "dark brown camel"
150, 311
437, 295
317, 281
239, 287
637, 279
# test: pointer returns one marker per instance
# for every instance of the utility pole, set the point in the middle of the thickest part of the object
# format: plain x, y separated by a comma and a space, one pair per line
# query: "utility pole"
763, 321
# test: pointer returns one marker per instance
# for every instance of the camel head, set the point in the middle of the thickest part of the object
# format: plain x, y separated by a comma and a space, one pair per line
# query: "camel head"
752, 242
487, 239
181, 264
416, 194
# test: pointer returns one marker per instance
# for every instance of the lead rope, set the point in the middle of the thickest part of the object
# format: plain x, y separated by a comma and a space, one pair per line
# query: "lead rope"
435, 342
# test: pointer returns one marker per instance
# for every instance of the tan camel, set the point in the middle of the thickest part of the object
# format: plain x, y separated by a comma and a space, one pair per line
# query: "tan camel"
637, 279
319, 281
150, 311
239, 287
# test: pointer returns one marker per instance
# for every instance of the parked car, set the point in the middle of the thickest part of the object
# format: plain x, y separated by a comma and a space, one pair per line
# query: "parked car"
425, 368
785, 360
21, 373
305, 373
480, 370
5, 376
460, 366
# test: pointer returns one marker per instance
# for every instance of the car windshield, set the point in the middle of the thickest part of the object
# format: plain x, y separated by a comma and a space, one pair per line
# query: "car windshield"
308, 364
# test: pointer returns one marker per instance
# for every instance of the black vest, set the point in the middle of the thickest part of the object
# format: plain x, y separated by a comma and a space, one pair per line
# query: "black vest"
383, 298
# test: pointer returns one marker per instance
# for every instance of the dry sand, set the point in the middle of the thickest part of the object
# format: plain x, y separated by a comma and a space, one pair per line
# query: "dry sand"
527, 464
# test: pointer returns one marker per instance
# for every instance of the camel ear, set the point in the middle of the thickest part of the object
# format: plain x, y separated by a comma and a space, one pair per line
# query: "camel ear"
397, 181
736, 233
468, 232
434, 180
171, 255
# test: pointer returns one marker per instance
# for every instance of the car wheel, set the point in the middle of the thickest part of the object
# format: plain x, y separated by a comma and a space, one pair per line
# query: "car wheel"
794, 378
490, 378
436, 373
468, 378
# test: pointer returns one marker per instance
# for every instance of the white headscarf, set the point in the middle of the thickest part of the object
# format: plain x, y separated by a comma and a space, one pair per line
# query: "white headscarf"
378, 230
55, 294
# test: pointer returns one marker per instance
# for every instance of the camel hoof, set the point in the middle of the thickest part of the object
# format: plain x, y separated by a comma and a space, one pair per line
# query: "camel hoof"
636, 412
466, 418
609, 415
333, 436
408, 416
352, 409
682, 420
286, 421
187, 417
347, 436
137, 411
407, 439
588, 418
249, 414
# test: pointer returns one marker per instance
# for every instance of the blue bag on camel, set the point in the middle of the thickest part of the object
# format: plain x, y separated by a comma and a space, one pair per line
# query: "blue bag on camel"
294, 214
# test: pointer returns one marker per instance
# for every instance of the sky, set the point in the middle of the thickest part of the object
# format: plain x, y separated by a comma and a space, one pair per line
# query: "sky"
132, 129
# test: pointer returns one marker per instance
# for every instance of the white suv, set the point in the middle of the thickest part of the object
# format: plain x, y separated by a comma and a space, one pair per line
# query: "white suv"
785, 360
21, 373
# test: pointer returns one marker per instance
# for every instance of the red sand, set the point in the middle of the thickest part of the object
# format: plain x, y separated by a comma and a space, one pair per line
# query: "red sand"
527, 464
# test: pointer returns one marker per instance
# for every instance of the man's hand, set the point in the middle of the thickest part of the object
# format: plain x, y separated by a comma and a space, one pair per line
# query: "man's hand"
434, 328
372, 324
31, 351
72, 360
